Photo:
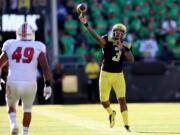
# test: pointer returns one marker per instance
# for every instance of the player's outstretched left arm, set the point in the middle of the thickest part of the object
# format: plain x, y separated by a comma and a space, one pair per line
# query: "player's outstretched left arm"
47, 75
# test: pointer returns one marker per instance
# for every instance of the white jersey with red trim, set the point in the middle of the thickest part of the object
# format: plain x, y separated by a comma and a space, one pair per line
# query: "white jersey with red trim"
23, 59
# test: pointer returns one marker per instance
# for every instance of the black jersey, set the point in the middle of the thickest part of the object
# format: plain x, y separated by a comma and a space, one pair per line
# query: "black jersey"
113, 57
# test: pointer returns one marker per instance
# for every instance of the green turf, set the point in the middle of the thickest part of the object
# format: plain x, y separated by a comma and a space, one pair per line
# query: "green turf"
145, 119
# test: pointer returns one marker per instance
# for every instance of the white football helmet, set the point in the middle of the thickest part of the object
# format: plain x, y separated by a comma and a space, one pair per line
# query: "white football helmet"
25, 32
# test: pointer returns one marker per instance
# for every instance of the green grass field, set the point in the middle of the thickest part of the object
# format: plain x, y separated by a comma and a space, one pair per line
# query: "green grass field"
145, 119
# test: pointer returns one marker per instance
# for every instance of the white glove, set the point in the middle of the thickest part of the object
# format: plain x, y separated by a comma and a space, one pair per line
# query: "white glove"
47, 92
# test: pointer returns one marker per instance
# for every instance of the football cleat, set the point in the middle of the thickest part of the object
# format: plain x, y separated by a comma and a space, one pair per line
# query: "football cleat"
127, 128
112, 119
14, 130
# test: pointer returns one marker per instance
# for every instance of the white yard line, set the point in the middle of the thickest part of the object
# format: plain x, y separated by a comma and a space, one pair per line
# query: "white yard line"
84, 122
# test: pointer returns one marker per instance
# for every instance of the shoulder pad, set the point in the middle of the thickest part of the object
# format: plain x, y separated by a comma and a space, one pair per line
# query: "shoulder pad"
127, 45
6, 44
41, 46
110, 38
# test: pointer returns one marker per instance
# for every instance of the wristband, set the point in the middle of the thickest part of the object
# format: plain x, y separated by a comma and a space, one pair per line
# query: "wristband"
86, 24
47, 83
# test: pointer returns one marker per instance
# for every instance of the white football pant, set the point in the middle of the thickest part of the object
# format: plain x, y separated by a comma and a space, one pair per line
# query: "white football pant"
24, 90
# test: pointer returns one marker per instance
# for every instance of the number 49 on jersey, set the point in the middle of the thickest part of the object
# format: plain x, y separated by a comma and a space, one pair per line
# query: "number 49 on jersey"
23, 55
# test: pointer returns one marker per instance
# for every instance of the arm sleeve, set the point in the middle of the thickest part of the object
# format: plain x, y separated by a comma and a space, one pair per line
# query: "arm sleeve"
41, 47
5, 46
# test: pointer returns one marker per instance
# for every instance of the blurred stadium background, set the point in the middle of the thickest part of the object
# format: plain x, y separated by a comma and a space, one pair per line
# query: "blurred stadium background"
153, 29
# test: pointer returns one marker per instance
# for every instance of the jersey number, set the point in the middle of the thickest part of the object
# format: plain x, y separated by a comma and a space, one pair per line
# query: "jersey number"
118, 55
25, 55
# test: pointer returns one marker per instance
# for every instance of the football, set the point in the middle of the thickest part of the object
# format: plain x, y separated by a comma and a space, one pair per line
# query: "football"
81, 8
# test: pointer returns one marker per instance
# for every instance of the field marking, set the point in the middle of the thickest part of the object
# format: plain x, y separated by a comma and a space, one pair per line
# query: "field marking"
85, 122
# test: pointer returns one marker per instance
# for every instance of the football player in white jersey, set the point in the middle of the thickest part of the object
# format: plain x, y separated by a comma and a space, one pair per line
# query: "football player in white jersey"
23, 55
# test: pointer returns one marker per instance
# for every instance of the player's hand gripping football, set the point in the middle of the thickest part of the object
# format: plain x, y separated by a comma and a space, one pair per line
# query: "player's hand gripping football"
82, 18
47, 92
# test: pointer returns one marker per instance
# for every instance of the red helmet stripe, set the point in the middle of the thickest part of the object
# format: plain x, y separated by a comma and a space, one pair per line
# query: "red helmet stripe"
24, 30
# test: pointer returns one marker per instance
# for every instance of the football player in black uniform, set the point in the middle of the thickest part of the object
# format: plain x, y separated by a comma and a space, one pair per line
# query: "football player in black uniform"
115, 51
